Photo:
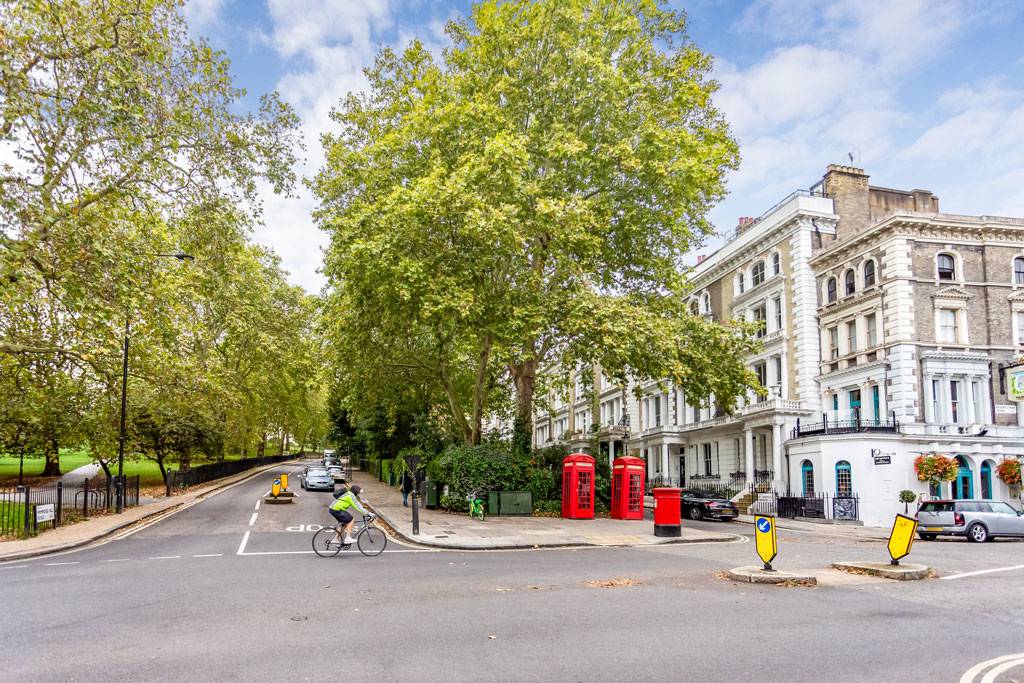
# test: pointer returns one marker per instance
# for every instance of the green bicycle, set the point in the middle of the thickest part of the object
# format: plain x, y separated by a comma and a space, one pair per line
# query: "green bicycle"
476, 506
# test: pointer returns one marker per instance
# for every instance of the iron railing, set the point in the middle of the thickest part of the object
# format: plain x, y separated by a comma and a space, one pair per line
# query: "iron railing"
834, 426
197, 475
840, 507
22, 507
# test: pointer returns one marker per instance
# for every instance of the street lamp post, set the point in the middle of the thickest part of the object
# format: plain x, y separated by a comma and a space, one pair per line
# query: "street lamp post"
119, 486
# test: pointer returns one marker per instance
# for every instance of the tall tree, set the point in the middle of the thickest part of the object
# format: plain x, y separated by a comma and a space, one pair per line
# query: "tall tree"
530, 201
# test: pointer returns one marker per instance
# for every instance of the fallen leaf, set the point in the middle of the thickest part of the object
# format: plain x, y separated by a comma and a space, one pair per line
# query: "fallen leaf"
492, 637
613, 583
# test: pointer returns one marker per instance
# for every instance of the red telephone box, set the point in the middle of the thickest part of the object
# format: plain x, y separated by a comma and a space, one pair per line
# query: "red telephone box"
628, 487
578, 472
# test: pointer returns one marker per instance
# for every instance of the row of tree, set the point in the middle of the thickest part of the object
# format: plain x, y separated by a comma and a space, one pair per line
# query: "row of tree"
120, 147
522, 206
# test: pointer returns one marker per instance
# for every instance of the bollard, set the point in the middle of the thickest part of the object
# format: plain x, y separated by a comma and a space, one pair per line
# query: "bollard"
284, 481
275, 490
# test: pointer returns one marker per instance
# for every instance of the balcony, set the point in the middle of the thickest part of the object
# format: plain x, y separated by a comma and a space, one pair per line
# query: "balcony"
854, 426
772, 404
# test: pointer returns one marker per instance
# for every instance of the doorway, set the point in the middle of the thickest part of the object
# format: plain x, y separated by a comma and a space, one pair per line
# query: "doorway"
963, 485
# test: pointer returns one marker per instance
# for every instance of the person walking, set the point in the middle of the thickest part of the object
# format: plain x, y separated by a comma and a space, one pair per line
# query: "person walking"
407, 488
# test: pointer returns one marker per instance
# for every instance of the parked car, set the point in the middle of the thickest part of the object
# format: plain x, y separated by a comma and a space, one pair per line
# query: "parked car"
978, 520
336, 471
317, 478
700, 504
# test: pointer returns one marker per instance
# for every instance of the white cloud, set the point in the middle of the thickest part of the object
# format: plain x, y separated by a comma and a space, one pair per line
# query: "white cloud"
204, 16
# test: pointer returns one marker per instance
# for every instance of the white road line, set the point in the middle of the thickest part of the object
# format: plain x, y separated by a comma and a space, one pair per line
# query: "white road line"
167, 557
123, 559
995, 672
983, 571
241, 547
20, 566
258, 504
210, 555
973, 672
59, 564
310, 552
252, 520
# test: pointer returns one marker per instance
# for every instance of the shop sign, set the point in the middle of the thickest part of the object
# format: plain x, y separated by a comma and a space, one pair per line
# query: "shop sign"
881, 458
1015, 384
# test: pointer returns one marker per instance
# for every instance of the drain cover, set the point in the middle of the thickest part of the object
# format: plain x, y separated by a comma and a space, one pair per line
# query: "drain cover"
300, 618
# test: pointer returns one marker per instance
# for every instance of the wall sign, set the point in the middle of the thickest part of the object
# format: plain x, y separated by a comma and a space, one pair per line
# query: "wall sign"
881, 458
1003, 409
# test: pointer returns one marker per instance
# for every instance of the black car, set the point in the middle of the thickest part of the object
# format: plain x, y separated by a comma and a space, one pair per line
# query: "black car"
701, 505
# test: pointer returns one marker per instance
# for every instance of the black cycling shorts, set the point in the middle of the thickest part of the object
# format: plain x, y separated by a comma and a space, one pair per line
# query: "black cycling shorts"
341, 515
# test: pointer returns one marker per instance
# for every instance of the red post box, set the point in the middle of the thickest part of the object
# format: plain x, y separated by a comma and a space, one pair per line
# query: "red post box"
667, 518
628, 487
578, 472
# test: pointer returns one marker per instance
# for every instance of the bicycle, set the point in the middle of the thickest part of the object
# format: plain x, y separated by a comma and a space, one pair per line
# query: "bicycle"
476, 506
370, 539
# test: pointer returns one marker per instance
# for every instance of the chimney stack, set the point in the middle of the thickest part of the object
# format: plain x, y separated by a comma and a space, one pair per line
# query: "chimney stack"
848, 188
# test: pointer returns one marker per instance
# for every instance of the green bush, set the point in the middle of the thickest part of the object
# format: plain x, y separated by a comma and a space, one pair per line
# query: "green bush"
478, 469
454, 503
547, 506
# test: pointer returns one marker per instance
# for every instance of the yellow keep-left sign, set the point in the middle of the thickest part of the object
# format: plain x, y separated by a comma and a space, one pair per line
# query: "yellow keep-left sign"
764, 537
902, 537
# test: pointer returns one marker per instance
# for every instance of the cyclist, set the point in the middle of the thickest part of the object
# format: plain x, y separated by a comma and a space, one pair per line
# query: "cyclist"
339, 510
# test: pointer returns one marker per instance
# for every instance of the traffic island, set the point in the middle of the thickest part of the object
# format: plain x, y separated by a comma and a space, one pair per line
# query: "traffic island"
899, 572
759, 575
278, 500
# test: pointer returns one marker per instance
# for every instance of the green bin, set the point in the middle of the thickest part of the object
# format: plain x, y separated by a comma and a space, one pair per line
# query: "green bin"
516, 503
433, 493
492, 503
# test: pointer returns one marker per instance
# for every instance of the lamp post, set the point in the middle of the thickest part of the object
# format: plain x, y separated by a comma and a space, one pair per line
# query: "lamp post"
124, 391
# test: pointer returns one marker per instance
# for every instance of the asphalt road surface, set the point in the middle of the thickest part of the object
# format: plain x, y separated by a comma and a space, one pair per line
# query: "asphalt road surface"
228, 590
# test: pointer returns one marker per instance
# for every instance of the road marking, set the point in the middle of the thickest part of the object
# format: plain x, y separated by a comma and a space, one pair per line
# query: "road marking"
123, 559
20, 566
210, 555
59, 564
252, 520
258, 504
310, 552
982, 571
241, 547
167, 557
999, 664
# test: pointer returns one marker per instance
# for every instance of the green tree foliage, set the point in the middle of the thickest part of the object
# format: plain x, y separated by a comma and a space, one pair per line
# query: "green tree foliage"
528, 202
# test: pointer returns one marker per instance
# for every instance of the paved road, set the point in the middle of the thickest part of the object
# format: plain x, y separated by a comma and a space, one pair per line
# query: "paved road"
176, 600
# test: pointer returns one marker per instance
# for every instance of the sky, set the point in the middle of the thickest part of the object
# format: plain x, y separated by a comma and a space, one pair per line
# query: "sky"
924, 94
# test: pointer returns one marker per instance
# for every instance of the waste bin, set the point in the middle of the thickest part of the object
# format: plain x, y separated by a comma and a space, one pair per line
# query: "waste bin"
667, 518
492, 504
628, 488
578, 486
433, 493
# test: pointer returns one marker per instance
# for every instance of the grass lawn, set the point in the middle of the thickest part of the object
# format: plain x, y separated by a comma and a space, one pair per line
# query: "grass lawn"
69, 460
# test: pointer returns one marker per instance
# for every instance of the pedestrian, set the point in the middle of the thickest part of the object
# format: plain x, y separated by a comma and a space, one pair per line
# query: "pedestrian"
407, 488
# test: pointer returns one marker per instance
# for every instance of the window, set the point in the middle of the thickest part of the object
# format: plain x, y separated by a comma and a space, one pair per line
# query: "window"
1019, 316
707, 459
974, 403
831, 290
935, 399
851, 336
869, 274
948, 332
833, 341
807, 477
657, 411
1018, 271
740, 285
954, 401
986, 480
706, 301
778, 372
945, 267
694, 307
759, 318
872, 326
757, 274
875, 402
851, 282
761, 370
778, 313
777, 263
844, 480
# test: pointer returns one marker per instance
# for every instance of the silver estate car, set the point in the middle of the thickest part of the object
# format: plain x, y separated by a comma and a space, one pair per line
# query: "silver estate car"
317, 478
978, 520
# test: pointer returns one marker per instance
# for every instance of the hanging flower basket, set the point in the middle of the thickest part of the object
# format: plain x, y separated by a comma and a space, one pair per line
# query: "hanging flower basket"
1009, 471
935, 468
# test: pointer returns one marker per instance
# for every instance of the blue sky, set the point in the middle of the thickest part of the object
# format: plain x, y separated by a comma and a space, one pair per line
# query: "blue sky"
924, 93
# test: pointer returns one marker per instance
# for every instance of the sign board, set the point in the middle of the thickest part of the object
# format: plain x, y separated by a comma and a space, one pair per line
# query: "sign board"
44, 513
764, 537
1015, 384
901, 538
881, 457
1003, 409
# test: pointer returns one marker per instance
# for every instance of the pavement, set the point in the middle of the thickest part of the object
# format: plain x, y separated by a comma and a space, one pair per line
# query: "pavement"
80, 474
98, 527
229, 589
459, 531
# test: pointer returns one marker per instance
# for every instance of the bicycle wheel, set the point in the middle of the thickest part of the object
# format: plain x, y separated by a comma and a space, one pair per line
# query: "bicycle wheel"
325, 544
371, 541
480, 511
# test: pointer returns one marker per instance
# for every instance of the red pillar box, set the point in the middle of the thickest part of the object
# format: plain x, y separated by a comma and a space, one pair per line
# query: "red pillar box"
667, 519
628, 487
578, 472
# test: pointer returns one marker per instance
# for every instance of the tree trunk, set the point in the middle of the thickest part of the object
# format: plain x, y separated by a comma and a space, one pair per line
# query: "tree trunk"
524, 375
261, 450
245, 451
106, 468
52, 466
163, 469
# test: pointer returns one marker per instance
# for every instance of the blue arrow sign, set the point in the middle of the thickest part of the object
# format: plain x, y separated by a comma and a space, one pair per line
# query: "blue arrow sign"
764, 525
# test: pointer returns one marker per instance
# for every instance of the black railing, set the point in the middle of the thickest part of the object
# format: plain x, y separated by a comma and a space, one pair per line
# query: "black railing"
660, 482
26, 510
204, 473
856, 425
726, 490
844, 507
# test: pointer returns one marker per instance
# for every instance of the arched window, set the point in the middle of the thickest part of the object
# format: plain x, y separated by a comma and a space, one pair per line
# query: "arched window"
757, 274
740, 285
831, 290
850, 284
706, 301
986, 480
869, 274
694, 307
777, 263
1018, 271
844, 481
807, 477
946, 267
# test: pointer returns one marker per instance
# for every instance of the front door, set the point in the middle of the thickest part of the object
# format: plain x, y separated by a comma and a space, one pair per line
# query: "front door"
963, 485
682, 469
855, 404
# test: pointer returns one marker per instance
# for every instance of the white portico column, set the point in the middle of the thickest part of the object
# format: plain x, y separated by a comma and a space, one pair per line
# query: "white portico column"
748, 445
611, 451
664, 461
967, 398
929, 399
777, 437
